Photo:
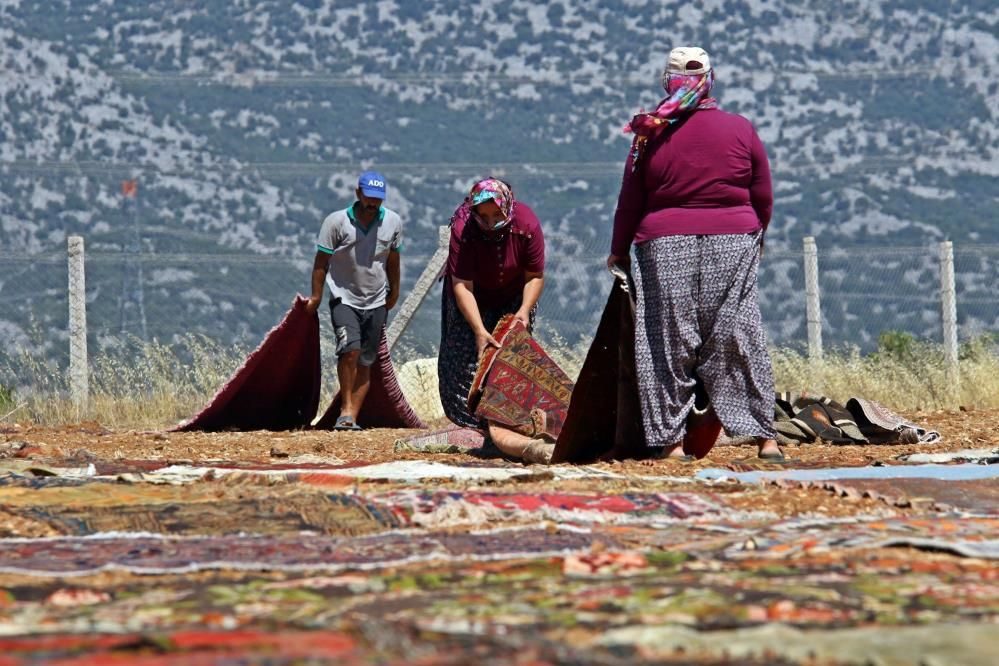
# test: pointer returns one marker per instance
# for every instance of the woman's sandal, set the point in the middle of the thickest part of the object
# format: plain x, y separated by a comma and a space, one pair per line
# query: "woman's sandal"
667, 454
538, 452
771, 456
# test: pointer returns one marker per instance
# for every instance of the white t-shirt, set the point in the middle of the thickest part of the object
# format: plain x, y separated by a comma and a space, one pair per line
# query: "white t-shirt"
356, 269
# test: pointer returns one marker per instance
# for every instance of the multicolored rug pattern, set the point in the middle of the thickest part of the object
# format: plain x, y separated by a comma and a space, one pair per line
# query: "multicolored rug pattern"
297, 562
519, 386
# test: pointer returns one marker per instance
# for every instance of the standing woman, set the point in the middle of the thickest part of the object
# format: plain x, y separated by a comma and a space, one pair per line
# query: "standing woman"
495, 266
695, 200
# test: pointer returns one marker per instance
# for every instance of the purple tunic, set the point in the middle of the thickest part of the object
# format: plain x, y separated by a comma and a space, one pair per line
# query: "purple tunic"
496, 268
710, 176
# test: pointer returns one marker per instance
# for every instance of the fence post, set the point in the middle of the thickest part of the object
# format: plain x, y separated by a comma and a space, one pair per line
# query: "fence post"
948, 299
420, 290
79, 378
812, 306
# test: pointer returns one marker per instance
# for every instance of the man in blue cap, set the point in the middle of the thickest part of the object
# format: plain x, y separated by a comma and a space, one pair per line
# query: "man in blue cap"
357, 255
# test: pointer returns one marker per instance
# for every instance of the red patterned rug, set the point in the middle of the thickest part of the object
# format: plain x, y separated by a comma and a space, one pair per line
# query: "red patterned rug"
277, 387
519, 386
385, 405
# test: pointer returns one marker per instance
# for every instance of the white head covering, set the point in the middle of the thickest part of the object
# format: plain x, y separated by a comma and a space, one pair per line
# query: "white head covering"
688, 60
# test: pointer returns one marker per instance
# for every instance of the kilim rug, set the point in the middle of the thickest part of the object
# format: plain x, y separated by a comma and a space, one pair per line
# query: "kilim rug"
341, 515
519, 386
980, 496
447, 508
203, 647
157, 554
277, 387
452, 439
385, 405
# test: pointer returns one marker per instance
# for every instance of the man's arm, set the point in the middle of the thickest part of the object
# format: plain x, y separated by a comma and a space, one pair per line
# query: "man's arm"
319, 265
465, 299
392, 272
534, 283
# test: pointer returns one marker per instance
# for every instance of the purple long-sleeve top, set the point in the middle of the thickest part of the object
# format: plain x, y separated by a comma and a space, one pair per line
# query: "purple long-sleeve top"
709, 176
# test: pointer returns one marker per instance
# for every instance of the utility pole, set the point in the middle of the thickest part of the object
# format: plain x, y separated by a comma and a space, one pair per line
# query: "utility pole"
132, 288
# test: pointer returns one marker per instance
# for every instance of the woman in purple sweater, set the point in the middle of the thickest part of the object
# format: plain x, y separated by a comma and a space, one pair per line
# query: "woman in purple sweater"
695, 200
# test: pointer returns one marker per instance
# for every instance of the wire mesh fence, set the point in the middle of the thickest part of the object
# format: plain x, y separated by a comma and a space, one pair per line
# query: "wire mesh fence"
232, 300
868, 291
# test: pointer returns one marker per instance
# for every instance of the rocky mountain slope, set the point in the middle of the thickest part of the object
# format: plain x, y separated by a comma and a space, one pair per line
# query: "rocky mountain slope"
244, 122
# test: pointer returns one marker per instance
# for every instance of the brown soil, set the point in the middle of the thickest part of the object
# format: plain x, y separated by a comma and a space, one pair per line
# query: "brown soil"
960, 430
91, 441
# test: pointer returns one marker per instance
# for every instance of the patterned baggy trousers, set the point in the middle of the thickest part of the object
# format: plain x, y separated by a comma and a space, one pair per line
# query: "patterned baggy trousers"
697, 315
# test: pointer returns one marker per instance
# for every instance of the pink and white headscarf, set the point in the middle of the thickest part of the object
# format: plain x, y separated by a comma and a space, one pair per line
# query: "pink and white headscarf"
496, 190
684, 92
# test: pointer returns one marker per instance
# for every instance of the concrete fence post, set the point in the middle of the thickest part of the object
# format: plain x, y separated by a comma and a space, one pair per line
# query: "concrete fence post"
420, 290
948, 301
812, 307
79, 376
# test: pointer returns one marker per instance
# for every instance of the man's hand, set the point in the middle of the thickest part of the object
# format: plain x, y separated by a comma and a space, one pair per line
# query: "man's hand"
484, 339
313, 304
391, 299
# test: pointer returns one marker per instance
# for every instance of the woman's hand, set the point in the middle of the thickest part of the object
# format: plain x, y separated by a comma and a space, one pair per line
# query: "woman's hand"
614, 260
524, 317
484, 339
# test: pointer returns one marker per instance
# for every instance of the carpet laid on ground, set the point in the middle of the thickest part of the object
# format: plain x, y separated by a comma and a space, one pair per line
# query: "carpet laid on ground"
450, 439
259, 563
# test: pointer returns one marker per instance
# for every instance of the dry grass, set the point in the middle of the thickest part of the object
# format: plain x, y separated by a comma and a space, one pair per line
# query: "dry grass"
148, 385
914, 378
133, 384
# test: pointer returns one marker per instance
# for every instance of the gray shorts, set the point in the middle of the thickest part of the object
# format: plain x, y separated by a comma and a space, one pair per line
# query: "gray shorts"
357, 330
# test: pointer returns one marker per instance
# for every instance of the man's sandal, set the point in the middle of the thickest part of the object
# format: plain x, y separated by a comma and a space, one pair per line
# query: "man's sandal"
345, 422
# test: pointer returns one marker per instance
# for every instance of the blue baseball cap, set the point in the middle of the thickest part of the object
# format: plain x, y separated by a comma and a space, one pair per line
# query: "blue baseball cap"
372, 184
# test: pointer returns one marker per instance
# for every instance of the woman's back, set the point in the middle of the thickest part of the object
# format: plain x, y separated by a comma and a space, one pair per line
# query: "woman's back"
708, 175
705, 163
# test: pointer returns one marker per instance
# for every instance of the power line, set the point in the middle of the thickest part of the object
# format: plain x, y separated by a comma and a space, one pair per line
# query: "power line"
322, 169
549, 77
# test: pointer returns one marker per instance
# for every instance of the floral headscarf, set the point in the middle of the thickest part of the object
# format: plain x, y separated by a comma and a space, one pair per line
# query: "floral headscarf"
685, 92
496, 190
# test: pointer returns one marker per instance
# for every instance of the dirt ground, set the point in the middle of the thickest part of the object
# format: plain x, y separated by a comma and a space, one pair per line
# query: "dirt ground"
91, 441
959, 430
